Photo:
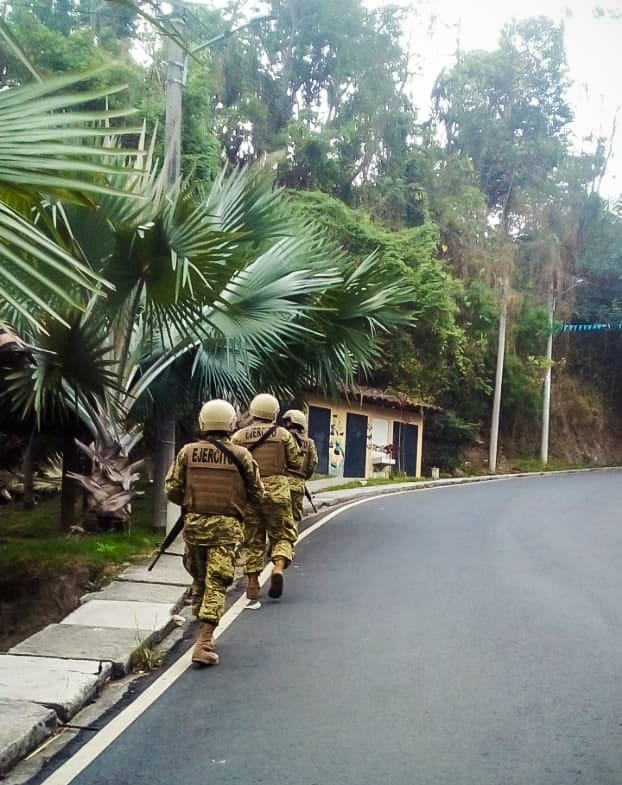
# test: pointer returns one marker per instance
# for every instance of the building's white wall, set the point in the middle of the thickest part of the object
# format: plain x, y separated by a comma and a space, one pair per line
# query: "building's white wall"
377, 415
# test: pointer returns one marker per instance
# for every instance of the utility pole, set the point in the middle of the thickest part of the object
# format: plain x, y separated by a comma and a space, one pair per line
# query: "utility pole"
177, 65
174, 88
93, 15
496, 406
546, 401
165, 513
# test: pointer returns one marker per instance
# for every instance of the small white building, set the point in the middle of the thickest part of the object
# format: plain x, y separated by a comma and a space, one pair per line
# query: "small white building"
366, 433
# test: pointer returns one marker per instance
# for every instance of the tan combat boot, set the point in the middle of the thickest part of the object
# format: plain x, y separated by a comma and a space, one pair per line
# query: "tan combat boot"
276, 579
253, 589
204, 652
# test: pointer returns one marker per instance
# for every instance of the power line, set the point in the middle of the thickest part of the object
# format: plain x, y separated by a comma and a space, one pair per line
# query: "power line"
197, 19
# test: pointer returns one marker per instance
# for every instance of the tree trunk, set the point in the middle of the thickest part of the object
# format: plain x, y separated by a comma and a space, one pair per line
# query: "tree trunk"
162, 461
70, 492
28, 472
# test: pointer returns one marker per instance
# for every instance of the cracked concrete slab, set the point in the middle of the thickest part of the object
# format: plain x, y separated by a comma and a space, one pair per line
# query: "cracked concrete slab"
152, 616
132, 591
63, 685
23, 726
96, 644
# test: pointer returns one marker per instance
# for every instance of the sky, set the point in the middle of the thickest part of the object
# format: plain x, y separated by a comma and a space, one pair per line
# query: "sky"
594, 48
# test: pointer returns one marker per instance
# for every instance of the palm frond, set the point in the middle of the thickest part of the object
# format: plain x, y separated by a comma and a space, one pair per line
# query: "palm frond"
71, 363
34, 272
244, 201
343, 328
33, 121
219, 296
45, 148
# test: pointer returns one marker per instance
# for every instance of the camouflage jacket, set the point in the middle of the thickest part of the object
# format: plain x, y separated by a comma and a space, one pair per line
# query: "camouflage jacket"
309, 463
211, 529
309, 456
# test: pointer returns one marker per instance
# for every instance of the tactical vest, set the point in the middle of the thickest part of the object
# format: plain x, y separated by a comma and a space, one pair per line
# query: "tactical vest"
214, 485
270, 456
304, 444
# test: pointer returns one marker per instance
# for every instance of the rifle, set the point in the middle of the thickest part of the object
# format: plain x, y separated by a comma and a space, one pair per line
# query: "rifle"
310, 498
168, 540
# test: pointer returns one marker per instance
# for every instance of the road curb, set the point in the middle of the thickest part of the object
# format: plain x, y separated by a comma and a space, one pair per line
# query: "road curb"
94, 644
327, 499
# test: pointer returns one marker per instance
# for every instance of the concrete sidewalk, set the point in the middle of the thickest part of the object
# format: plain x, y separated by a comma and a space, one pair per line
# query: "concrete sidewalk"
47, 678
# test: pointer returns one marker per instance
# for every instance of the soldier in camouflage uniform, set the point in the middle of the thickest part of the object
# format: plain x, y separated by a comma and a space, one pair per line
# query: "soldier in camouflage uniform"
277, 454
296, 423
212, 480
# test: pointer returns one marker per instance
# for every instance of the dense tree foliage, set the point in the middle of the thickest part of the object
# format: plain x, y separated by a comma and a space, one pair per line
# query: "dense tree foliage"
489, 189
507, 111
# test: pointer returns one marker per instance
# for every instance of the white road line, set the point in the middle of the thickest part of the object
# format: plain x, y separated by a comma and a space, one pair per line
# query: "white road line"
92, 749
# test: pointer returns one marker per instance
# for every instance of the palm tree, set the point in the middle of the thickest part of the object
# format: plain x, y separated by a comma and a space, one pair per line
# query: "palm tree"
55, 149
214, 291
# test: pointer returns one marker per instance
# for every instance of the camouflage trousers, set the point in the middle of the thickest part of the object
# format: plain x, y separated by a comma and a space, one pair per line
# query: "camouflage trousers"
212, 570
297, 493
297, 500
272, 519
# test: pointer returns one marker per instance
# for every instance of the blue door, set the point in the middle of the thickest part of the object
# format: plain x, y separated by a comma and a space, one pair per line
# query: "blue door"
406, 443
356, 446
319, 431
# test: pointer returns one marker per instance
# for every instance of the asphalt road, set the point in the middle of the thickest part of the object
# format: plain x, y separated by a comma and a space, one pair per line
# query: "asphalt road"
467, 636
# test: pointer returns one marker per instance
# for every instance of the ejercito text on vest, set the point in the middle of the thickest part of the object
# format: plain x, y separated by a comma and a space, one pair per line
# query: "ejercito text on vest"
270, 455
214, 485
208, 456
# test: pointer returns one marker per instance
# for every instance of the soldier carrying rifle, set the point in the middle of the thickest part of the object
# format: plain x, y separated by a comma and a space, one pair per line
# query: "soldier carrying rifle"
213, 480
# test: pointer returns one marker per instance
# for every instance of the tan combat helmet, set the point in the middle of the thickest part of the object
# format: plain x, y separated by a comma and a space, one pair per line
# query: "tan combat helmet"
264, 407
217, 415
296, 417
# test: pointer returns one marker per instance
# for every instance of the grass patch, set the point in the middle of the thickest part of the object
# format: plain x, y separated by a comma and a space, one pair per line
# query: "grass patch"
516, 466
42, 521
36, 536
472, 470
554, 465
373, 481
98, 550
44, 572
524, 466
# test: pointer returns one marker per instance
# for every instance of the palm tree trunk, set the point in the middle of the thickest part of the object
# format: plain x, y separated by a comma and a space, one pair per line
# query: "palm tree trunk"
70, 490
28, 473
162, 461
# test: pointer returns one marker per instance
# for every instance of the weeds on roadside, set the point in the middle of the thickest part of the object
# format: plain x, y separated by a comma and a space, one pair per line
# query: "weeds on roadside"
146, 657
